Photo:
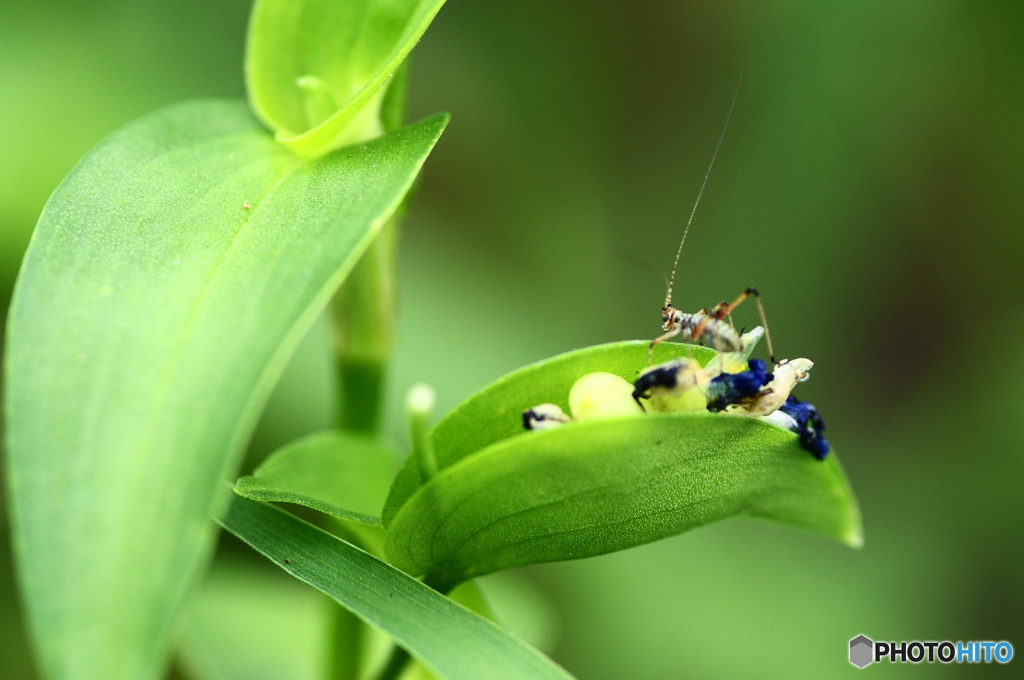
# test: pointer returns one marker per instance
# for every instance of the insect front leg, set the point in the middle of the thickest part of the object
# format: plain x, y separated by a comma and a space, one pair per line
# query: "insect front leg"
660, 339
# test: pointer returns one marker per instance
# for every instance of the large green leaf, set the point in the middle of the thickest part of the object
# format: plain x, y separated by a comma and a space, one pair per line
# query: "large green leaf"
599, 486
495, 412
317, 70
505, 497
344, 474
169, 278
449, 639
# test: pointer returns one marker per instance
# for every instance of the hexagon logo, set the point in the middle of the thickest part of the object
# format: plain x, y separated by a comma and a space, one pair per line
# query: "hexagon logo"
861, 651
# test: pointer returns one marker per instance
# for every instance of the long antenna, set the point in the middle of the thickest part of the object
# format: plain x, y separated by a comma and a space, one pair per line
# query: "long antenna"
675, 265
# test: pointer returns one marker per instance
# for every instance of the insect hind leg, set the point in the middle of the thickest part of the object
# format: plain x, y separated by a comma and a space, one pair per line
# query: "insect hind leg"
723, 310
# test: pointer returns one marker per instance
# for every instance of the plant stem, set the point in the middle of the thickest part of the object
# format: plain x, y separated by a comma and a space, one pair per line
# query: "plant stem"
363, 311
346, 650
364, 334
364, 307
396, 663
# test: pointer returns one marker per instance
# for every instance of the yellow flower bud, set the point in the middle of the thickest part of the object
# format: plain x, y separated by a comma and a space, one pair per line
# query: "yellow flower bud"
602, 395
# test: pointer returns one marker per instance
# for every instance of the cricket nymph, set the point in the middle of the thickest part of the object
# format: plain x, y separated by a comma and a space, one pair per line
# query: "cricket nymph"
705, 326
700, 326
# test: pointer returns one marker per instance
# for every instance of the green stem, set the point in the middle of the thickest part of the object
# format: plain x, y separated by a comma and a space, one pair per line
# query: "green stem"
364, 333
396, 663
363, 311
345, 656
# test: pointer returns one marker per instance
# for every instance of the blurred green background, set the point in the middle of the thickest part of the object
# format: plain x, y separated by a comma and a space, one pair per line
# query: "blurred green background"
869, 185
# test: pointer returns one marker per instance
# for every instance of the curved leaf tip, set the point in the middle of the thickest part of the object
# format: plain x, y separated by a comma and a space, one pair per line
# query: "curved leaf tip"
318, 70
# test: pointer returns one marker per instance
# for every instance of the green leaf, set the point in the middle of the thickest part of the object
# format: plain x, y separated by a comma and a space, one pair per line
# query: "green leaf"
595, 487
341, 473
495, 412
447, 638
317, 70
170, 276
